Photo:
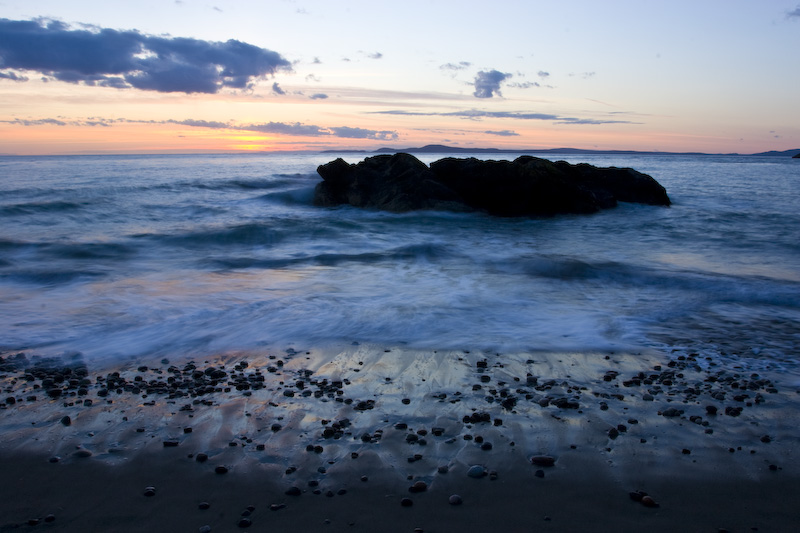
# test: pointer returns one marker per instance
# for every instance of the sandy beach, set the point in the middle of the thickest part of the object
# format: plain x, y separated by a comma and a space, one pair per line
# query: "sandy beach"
371, 438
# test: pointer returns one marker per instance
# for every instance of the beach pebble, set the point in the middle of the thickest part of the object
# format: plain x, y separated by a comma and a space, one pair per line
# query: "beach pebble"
443, 469
149, 491
648, 501
419, 486
293, 491
82, 452
476, 471
245, 522
201, 457
455, 499
205, 529
766, 439
543, 460
50, 518
671, 412
406, 502
221, 469
203, 505
66, 420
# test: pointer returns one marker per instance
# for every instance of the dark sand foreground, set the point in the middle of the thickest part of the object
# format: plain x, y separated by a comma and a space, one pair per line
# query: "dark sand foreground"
341, 439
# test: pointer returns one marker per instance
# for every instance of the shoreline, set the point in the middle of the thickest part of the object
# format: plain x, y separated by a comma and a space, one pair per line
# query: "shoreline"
320, 420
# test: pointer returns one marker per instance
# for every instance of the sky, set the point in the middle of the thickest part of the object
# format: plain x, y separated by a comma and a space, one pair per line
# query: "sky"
185, 76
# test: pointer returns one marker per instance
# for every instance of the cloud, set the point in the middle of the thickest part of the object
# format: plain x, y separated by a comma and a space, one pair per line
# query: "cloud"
129, 59
277, 89
503, 133
487, 83
361, 133
281, 128
376, 55
11, 75
795, 13
524, 85
461, 65
543, 74
476, 114
318, 96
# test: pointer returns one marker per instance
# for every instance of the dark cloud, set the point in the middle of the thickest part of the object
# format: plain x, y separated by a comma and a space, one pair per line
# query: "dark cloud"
475, 114
125, 59
487, 83
282, 128
277, 89
318, 96
503, 133
11, 75
376, 55
543, 74
361, 133
795, 13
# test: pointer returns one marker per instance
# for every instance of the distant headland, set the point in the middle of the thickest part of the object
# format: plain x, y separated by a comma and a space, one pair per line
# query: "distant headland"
443, 149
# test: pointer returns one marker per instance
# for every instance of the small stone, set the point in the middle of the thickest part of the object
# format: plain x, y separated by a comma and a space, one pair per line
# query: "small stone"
245, 522
149, 491
686, 451
221, 469
205, 529
171, 443
293, 491
50, 518
203, 505
648, 501
406, 502
201, 457
539, 473
543, 460
443, 469
455, 499
66, 420
419, 486
277, 506
82, 452
711, 409
766, 439
476, 471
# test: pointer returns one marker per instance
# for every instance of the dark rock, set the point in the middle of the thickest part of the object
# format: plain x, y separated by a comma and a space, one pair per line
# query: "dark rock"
543, 460
406, 502
150, 491
221, 469
672, 412
527, 186
203, 506
245, 522
455, 499
66, 420
419, 486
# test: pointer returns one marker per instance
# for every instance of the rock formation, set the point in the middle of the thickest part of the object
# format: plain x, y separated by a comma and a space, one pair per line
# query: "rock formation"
527, 186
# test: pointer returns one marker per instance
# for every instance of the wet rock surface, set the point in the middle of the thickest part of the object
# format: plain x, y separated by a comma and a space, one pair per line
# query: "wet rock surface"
527, 186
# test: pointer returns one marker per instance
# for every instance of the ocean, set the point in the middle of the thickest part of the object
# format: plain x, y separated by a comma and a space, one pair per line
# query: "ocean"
120, 257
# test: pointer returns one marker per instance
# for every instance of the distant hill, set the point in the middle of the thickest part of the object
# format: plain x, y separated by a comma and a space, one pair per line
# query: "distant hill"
442, 149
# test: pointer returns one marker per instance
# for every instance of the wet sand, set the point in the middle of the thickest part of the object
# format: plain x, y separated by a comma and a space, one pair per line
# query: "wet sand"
334, 439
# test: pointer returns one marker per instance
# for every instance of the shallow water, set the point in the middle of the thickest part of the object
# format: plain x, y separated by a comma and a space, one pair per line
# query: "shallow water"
121, 256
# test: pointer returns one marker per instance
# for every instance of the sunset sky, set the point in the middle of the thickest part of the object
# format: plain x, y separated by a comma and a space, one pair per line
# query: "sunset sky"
112, 76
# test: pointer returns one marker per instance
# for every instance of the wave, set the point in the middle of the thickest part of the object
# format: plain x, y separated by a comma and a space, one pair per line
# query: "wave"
719, 287
49, 277
31, 208
243, 234
401, 253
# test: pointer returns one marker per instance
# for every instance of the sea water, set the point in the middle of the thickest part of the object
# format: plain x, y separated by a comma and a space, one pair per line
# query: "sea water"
115, 257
